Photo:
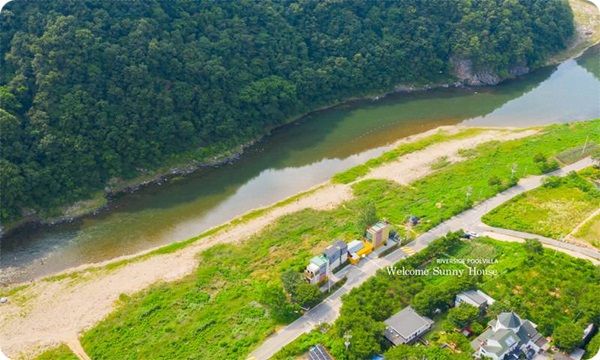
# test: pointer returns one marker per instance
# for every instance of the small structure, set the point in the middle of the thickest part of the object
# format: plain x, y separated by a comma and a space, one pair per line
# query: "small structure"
316, 271
509, 336
413, 220
336, 254
357, 250
476, 298
318, 352
406, 326
378, 234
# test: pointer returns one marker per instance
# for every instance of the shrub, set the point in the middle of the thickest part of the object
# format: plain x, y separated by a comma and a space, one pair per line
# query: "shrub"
494, 181
539, 158
567, 336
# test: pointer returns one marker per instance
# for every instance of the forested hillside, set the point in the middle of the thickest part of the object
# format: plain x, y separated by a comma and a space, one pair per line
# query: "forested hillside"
92, 90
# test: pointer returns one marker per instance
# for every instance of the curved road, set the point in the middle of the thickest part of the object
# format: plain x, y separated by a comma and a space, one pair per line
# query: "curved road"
328, 310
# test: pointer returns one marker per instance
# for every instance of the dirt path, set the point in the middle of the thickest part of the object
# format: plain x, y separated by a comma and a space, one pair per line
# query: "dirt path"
415, 165
571, 236
58, 311
77, 349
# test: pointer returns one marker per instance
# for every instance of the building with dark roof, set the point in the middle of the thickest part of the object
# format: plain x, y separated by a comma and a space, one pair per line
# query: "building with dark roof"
318, 352
406, 326
336, 254
509, 335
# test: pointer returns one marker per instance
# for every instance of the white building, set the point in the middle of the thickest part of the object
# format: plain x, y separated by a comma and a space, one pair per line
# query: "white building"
476, 298
509, 335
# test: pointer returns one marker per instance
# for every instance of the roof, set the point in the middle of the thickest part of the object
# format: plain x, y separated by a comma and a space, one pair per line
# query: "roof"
474, 296
355, 245
318, 352
378, 226
510, 329
509, 320
341, 244
319, 261
407, 322
313, 268
335, 250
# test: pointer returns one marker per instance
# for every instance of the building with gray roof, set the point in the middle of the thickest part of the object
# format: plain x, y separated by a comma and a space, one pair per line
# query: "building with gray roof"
406, 326
509, 335
475, 298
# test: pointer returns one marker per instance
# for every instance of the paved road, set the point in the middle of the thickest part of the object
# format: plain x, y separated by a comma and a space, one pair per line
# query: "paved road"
328, 310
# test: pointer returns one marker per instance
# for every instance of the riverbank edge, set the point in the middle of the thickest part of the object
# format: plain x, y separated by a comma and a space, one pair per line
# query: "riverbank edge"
75, 273
103, 201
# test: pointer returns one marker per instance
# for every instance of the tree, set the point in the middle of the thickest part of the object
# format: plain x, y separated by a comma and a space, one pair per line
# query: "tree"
367, 334
301, 292
147, 82
596, 158
463, 315
367, 216
533, 246
290, 280
567, 336
273, 297
432, 352
307, 295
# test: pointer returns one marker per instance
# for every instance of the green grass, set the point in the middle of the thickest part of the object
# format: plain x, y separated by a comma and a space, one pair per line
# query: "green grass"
61, 352
573, 155
358, 171
590, 231
219, 312
549, 211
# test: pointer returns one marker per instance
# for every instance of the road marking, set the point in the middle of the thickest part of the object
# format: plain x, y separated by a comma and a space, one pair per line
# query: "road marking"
408, 250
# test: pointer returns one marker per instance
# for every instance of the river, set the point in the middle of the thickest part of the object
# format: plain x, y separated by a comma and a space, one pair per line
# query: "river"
294, 158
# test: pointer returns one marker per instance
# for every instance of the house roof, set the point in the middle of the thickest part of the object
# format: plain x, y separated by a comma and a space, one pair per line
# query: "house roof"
378, 226
474, 296
320, 261
335, 250
511, 329
406, 322
509, 320
355, 245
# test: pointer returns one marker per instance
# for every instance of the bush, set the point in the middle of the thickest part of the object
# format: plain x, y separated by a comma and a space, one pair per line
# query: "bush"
533, 246
494, 181
552, 182
548, 166
567, 336
539, 158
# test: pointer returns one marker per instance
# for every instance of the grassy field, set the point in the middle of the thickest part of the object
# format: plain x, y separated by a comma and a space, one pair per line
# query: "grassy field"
553, 210
61, 352
526, 282
590, 231
224, 309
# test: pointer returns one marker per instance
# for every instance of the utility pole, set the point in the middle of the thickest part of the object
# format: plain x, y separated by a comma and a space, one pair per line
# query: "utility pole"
585, 145
347, 337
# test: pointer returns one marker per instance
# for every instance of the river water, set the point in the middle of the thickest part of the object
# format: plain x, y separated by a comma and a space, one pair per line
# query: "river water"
295, 158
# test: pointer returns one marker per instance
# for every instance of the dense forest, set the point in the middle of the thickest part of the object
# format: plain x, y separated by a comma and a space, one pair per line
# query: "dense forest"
94, 90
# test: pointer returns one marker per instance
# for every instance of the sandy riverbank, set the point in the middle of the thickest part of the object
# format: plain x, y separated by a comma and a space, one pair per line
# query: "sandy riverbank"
51, 312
